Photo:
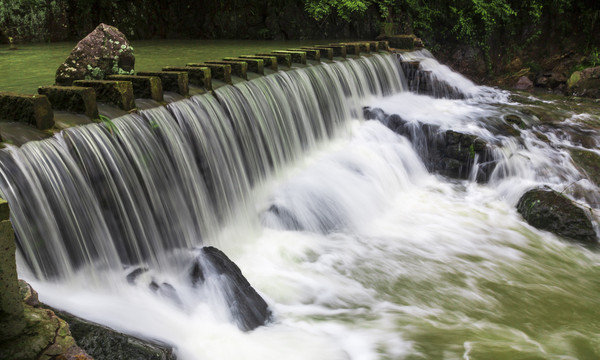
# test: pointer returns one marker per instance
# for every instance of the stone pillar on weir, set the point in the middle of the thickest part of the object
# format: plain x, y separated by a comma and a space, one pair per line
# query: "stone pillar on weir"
12, 320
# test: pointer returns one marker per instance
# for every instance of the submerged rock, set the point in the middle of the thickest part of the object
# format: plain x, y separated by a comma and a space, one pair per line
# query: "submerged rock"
450, 153
104, 51
549, 210
248, 309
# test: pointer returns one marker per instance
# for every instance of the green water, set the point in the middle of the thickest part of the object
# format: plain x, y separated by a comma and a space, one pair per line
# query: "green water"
33, 65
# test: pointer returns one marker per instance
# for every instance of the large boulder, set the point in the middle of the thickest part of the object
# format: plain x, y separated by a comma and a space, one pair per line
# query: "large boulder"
104, 51
248, 309
549, 210
585, 83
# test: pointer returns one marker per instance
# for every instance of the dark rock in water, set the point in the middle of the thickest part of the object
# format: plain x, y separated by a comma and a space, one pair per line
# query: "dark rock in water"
167, 291
103, 343
515, 120
104, 51
589, 162
133, 276
248, 308
549, 210
449, 153
373, 114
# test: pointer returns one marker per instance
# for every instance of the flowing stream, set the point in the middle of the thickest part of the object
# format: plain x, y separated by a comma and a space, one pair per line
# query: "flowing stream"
360, 251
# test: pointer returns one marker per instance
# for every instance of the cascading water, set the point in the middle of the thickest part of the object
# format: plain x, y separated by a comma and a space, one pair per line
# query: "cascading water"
359, 250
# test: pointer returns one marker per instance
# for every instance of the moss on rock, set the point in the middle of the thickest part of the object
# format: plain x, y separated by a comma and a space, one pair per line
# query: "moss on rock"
549, 210
72, 98
119, 93
34, 110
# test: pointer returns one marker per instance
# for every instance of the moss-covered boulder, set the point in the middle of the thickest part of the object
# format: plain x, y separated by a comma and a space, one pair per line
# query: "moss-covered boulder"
549, 210
34, 110
585, 83
175, 81
144, 87
119, 93
105, 51
76, 99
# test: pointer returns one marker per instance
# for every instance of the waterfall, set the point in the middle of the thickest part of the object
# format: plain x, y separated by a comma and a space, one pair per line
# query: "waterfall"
131, 191
376, 219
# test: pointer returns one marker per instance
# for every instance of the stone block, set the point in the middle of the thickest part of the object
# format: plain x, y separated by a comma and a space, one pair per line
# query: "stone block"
217, 71
238, 68
405, 42
325, 52
383, 45
297, 56
338, 50
254, 65
34, 110
351, 48
198, 76
364, 47
374, 46
119, 93
12, 321
76, 99
283, 59
269, 60
144, 87
311, 54
175, 81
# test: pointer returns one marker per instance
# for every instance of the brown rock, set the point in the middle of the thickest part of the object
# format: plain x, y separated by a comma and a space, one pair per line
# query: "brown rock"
104, 51
524, 83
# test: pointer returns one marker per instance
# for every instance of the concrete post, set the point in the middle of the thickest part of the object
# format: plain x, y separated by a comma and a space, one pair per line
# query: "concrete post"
12, 320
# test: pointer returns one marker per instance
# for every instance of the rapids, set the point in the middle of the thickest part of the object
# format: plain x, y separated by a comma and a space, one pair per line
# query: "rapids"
359, 251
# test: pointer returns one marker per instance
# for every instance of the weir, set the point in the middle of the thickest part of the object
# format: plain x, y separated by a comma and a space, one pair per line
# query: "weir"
375, 215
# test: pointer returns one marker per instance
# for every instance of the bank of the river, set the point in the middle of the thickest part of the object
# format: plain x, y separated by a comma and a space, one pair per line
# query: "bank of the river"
33, 65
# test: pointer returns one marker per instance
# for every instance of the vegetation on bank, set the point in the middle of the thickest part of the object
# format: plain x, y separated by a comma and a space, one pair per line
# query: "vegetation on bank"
499, 30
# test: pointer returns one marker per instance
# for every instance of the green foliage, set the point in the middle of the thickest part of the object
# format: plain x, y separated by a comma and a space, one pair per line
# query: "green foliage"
594, 57
27, 20
109, 124
321, 9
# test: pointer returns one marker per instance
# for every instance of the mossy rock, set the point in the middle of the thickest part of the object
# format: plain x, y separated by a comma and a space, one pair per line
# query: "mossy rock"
270, 61
253, 65
551, 211
298, 57
589, 162
282, 58
238, 68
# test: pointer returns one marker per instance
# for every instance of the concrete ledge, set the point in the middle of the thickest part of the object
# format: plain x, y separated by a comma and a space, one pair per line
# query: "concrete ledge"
269, 60
217, 71
374, 46
144, 87
254, 65
297, 56
351, 48
384, 45
364, 47
405, 42
238, 68
76, 99
119, 93
283, 59
325, 52
176, 81
338, 50
199, 76
311, 54
35, 110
